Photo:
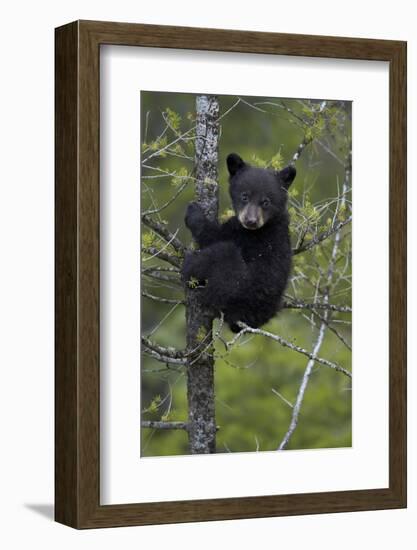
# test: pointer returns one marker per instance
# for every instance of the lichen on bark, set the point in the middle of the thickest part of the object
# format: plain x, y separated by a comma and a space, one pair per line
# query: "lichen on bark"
200, 367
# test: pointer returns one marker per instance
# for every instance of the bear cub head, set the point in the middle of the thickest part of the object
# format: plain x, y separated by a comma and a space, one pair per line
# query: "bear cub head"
259, 195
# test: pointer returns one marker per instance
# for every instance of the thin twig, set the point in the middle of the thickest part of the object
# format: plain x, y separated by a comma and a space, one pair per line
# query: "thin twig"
170, 201
276, 392
286, 344
159, 151
161, 230
163, 354
332, 329
161, 254
321, 236
162, 300
301, 391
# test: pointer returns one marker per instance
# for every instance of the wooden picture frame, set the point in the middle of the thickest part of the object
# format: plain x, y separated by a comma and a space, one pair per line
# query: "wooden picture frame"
77, 382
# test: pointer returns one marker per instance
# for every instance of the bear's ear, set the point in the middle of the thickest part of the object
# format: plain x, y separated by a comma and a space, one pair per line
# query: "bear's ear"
234, 163
287, 175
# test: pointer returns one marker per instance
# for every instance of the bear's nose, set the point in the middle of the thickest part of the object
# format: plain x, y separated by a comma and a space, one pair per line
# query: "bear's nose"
251, 223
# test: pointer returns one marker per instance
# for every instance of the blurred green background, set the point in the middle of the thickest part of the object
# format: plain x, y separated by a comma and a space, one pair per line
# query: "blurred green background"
249, 412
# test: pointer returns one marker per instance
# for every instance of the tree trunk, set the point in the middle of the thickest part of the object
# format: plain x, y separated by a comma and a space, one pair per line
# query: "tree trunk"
200, 368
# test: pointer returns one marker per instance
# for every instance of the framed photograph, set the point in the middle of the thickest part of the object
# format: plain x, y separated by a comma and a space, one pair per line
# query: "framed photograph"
230, 274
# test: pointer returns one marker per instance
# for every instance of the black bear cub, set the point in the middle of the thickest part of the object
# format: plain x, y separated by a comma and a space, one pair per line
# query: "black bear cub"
243, 265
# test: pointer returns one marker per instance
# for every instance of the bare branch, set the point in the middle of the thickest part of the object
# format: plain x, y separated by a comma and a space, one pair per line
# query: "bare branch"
300, 149
170, 281
160, 299
160, 268
301, 391
166, 425
161, 254
253, 106
332, 329
163, 358
300, 119
163, 354
321, 236
161, 425
229, 110
276, 392
170, 201
298, 304
161, 230
164, 318
169, 145
161, 135
286, 344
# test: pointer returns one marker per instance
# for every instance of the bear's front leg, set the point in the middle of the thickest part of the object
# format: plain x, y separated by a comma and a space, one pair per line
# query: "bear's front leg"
195, 218
203, 230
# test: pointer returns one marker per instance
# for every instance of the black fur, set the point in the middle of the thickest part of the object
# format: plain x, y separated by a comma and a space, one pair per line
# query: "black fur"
243, 265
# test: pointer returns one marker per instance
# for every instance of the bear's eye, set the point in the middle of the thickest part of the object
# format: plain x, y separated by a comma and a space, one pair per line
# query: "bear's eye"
244, 197
265, 203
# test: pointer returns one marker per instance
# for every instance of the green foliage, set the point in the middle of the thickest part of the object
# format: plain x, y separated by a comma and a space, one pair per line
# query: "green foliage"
193, 282
157, 146
342, 212
201, 334
153, 406
181, 177
256, 160
148, 239
277, 161
226, 215
173, 118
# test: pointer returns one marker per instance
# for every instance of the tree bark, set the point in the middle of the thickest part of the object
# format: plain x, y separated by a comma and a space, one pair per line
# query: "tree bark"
200, 367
